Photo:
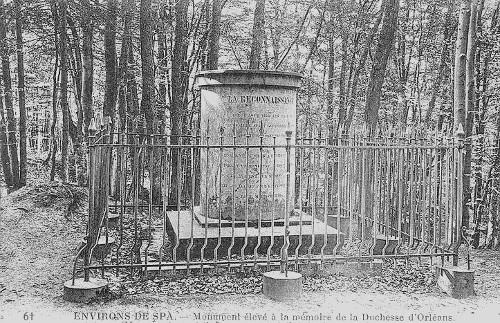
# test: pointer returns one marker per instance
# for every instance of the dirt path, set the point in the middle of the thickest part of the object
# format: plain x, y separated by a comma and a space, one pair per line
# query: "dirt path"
37, 246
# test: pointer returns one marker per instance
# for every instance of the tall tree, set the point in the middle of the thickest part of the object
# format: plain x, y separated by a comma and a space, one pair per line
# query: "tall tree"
63, 47
123, 69
459, 84
470, 99
213, 40
55, 81
9, 108
377, 75
111, 84
164, 22
23, 158
87, 24
460, 70
357, 70
133, 106
179, 88
148, 77
331, 80
4, 149
257, 35
447, 33
343, 78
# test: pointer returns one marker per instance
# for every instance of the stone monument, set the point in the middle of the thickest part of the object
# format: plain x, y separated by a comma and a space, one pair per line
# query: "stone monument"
247, 171
246, 107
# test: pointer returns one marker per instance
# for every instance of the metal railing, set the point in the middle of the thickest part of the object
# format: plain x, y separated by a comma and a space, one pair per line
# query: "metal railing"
159, 202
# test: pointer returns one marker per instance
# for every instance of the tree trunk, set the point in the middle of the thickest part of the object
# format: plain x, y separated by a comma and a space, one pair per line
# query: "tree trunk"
257, 35
459, 79
442, 64
213, 41
148, 82
484, 80
342, 83
403, 73
377, 75
470, 104
357, 72
55, 81
133, 107
63, 42
23, 158
331, 84
111, 84
162, 61
179, 90
4, 149
460, 90
87, 64
128, 12
7, 80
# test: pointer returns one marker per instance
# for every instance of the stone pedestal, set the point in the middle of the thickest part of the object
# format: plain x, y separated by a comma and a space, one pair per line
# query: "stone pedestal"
280, 286
455, 281
223, 240
82, 291
246, 108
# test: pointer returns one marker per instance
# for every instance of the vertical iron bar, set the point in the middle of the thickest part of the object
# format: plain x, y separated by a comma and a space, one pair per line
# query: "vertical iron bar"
92, 216
194, 145
123, 190
207, 200
301, 169
363, 193
233, 199
219, 198
135, 248
388, 191
259, 223
325, 197
312, 194
460, 135
150, 198
287, 205
247, 148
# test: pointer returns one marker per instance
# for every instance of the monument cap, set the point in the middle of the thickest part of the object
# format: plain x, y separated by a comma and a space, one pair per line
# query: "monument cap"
249, 78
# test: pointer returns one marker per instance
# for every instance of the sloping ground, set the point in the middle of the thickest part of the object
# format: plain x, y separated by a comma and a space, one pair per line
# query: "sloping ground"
40, 229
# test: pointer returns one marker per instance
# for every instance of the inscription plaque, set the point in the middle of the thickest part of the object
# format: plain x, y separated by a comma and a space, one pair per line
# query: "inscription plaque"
240, 109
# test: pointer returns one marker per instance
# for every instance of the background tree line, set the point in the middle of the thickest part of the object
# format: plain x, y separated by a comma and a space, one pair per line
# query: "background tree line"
379, 64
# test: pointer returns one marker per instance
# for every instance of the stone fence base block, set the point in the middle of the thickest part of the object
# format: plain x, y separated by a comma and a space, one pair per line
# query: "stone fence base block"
455, 281
280, 287
82, 291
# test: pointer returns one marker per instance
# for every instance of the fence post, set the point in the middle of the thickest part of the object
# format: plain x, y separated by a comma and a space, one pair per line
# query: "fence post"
91, 184
460, 135
286, 242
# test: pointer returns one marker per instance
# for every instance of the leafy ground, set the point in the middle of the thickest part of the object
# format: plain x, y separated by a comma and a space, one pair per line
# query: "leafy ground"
42, 226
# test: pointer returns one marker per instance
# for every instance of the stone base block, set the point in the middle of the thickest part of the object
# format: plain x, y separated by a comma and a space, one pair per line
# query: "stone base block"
223, 240
82, 291
385, 246
334, 222
455, 281
280, 287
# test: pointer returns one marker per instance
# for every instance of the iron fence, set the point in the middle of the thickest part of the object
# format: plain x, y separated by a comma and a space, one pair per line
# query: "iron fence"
160, 202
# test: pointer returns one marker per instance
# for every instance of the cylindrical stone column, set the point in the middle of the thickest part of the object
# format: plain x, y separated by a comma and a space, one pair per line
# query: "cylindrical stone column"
248, 108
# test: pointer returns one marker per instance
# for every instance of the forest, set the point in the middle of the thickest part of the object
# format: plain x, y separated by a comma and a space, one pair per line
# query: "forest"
385, 66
